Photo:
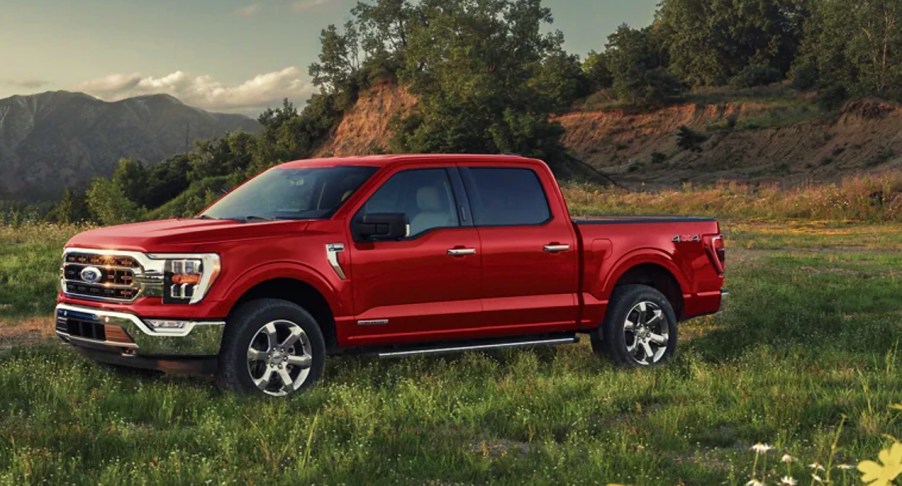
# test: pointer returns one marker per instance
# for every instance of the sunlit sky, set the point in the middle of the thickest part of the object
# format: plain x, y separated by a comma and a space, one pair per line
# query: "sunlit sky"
222, 55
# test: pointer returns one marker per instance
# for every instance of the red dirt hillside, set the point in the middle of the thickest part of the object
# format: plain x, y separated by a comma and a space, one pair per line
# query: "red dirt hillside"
774, 135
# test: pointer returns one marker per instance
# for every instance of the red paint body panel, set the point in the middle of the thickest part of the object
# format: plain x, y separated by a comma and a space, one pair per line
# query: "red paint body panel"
510, 286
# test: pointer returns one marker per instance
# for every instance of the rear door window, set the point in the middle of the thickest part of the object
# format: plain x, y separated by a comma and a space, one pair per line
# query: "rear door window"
506, 196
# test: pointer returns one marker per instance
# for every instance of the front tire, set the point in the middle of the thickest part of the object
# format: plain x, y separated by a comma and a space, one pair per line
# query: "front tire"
640, 328
273, 347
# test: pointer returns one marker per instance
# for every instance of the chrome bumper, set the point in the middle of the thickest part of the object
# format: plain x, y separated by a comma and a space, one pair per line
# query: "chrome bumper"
81, 326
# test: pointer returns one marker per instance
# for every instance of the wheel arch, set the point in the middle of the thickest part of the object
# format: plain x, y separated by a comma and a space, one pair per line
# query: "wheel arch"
654, 270
299, 287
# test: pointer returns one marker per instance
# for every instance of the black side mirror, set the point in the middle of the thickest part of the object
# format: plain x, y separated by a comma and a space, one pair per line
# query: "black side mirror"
380, 227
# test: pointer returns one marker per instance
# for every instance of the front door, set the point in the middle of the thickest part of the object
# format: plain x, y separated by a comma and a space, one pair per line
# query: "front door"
426, 286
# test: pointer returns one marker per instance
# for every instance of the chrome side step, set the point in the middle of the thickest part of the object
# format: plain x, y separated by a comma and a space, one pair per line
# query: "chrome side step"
568, 339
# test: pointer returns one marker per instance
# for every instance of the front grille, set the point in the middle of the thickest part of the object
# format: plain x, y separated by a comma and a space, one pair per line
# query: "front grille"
80, 325
113, 276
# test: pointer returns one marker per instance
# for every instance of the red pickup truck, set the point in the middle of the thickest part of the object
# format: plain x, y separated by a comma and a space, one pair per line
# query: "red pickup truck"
388, 255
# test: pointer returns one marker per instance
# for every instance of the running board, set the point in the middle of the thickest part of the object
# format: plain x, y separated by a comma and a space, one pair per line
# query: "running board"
446, 349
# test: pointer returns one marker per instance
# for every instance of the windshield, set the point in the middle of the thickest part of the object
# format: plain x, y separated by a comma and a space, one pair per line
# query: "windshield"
307, 193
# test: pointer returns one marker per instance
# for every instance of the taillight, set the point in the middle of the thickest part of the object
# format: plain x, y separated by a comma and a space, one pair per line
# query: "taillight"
717, 252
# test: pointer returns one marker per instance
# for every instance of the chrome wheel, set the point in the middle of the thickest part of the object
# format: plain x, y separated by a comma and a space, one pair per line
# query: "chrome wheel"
646, 333
279, 357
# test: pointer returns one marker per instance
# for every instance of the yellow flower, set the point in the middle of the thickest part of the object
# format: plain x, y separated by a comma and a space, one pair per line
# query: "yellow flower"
875, 474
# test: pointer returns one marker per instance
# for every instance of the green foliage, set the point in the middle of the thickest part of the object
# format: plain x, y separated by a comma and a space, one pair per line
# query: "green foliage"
636, 61
484, 75
709, 42
198, 196
71, 208
752, 76
109, 204
597, 72
855, 45
689, 139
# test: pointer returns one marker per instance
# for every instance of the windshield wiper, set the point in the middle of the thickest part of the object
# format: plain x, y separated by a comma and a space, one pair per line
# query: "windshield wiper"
254, 217
204, 216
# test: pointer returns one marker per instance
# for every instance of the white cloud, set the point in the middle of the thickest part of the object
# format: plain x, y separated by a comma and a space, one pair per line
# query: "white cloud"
248, 10
305, 5
251, 96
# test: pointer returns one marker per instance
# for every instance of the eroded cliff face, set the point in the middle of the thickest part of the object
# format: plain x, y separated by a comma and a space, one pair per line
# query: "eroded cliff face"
366, 128
749, 141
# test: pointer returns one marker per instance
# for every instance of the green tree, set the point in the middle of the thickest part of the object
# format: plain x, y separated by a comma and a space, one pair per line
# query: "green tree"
108, 203
637, 62
131, 175
597, 72
476, 66
338, 58
71, 208
854, 47
711, 41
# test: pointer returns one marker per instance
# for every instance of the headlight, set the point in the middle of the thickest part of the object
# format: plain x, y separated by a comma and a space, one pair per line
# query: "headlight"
187, 278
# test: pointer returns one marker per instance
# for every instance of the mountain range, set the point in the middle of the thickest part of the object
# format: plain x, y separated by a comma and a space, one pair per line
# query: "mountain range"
58, 139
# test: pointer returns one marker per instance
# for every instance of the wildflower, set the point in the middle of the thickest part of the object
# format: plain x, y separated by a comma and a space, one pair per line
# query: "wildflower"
846, 467
817, 478
787, 459
760, 448
875, 474
754, 482
816, 466
788, 481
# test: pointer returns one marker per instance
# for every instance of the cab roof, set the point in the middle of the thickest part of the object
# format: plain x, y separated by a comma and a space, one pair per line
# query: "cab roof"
385, 160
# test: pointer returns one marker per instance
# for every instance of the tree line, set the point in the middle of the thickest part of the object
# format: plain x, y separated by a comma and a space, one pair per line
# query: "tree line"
489, 75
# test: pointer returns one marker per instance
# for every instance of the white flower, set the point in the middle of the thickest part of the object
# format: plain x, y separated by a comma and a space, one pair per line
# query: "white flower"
787, 458
754, 482
816, 466
817, 478
788, 481
760, 448
846, 467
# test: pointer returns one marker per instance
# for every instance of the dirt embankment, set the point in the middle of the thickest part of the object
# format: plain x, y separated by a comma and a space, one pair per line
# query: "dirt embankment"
366, 128
745, 141
786, 140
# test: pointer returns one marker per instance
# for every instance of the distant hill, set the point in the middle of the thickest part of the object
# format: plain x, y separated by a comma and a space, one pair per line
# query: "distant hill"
56, 139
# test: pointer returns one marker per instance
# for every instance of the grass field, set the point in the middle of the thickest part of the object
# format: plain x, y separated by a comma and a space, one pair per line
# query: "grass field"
805, 357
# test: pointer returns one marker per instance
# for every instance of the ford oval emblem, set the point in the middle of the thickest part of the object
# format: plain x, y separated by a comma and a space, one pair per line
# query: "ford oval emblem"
91, 274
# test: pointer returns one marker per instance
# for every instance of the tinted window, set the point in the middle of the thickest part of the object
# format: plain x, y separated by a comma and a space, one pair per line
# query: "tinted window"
424, 195
506, 197
309, 193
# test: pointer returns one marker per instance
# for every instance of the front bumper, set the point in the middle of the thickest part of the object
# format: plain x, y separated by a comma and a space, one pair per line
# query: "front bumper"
129, 336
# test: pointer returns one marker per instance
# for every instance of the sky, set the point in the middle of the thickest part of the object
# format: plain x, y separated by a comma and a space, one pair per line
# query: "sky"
237, 56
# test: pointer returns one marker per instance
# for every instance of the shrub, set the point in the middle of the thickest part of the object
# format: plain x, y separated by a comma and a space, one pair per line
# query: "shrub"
688, 139
752, 76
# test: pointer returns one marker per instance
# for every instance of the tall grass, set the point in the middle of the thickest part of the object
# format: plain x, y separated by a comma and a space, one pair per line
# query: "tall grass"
874, 198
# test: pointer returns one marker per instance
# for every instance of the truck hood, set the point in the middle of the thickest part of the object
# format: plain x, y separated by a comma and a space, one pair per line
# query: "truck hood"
179, 235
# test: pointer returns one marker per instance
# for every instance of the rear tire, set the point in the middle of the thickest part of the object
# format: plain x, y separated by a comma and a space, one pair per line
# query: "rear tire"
640, 328
271, 347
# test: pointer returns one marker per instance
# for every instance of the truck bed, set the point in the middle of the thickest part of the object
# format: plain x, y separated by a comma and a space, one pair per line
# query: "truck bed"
639, 219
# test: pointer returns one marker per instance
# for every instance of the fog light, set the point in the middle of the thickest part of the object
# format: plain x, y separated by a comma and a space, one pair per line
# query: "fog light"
165, 325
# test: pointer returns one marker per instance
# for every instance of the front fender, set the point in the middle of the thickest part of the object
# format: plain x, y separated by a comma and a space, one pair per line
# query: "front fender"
290, 270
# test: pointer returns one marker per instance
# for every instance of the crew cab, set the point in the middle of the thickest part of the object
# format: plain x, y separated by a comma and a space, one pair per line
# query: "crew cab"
386, 255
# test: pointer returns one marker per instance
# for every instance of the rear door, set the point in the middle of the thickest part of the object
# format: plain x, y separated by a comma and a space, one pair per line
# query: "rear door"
529, 252
426, 286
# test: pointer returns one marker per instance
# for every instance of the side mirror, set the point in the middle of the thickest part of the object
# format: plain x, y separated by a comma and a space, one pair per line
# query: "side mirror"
380, 227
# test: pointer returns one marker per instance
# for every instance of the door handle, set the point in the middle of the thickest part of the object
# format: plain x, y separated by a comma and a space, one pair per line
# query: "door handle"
461, 251
555, 248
